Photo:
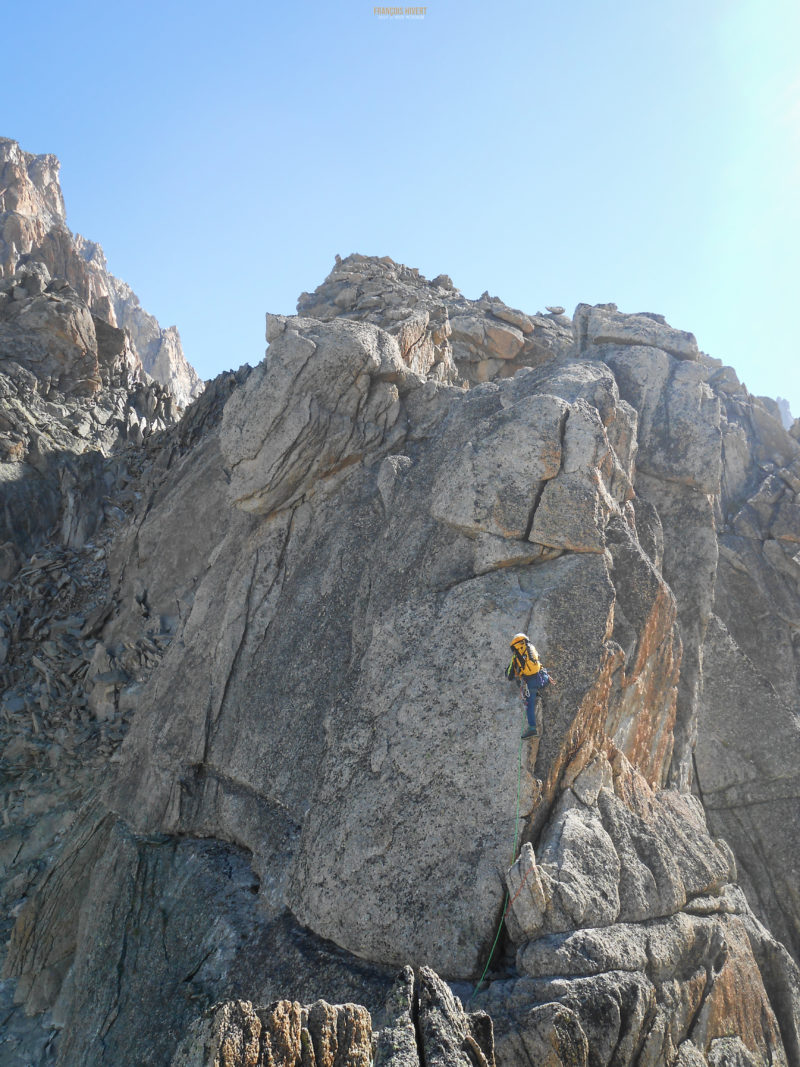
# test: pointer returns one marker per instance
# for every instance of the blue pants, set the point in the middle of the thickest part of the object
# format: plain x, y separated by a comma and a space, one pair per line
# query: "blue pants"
531, 705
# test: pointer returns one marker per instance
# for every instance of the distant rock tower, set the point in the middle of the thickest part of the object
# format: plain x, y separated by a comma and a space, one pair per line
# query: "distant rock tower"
33, 229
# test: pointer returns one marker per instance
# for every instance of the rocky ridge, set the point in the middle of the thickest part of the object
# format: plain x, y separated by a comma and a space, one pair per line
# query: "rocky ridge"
440, 333
318, 780
33, 231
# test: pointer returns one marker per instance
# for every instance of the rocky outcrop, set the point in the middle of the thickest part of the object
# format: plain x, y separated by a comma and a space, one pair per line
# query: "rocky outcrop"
34, 233
440, 333
159, 349
638, 932
286, 1033
72, 391
785, 412
48, 330
321, 772
421, 1023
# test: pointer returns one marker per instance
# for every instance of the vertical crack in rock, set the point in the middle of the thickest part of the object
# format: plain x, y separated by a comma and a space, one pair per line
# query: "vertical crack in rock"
415, 1010
133, 910
562, 431
211, 715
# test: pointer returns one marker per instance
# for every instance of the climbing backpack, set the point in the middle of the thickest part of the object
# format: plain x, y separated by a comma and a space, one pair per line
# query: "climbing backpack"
524, 663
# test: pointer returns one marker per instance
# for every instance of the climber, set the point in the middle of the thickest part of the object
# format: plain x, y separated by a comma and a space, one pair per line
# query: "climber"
532, 676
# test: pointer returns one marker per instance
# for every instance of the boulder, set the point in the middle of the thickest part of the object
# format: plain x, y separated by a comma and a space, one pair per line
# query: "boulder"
604, 325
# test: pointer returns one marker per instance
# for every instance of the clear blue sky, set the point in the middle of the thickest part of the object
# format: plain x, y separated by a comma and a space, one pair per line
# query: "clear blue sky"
551, 153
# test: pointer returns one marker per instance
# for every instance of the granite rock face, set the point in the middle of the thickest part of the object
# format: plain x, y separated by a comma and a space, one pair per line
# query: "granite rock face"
49, 330
322, 763
441, 333
34, 233
421, 1023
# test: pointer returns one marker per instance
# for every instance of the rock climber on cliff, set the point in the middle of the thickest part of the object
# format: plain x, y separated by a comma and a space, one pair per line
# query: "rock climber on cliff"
532, 676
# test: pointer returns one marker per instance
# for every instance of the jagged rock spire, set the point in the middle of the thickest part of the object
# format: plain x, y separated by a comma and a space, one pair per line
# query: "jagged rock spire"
33, 229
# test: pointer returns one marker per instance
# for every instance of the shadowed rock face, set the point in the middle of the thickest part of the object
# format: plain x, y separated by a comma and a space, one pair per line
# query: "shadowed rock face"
343, 542
72, 392
33, 232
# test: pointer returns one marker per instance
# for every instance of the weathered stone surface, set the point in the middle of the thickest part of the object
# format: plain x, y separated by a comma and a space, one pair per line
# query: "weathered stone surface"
54, 337
678, 464
390, 662
179, 913
511, 315
314, 575
286, 1034
582, 952
326, 398
646, 989
491, 485
527, 899
781, 978
689, 1055
9, 560
449, 1037
731, 1052
605, 1015
69, 397
440, 332
43, 964
423, 1024
603, 325
396, 1036
34, 237
552, 338
665, 853
634, 855
485, 338
581, 870
548, 1035
679, 416
397, 299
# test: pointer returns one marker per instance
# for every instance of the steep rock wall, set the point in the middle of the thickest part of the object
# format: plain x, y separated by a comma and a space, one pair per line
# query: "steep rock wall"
343, 556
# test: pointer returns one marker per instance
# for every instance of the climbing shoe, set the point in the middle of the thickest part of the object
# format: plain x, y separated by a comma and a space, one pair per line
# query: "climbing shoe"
530, 733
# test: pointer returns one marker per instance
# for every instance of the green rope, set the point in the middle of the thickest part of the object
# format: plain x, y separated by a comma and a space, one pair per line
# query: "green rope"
505, 902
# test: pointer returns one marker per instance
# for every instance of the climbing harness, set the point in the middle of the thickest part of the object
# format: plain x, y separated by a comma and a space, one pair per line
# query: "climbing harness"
506, 901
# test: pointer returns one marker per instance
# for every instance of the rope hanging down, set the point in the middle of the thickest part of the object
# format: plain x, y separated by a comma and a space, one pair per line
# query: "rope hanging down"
506, 901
